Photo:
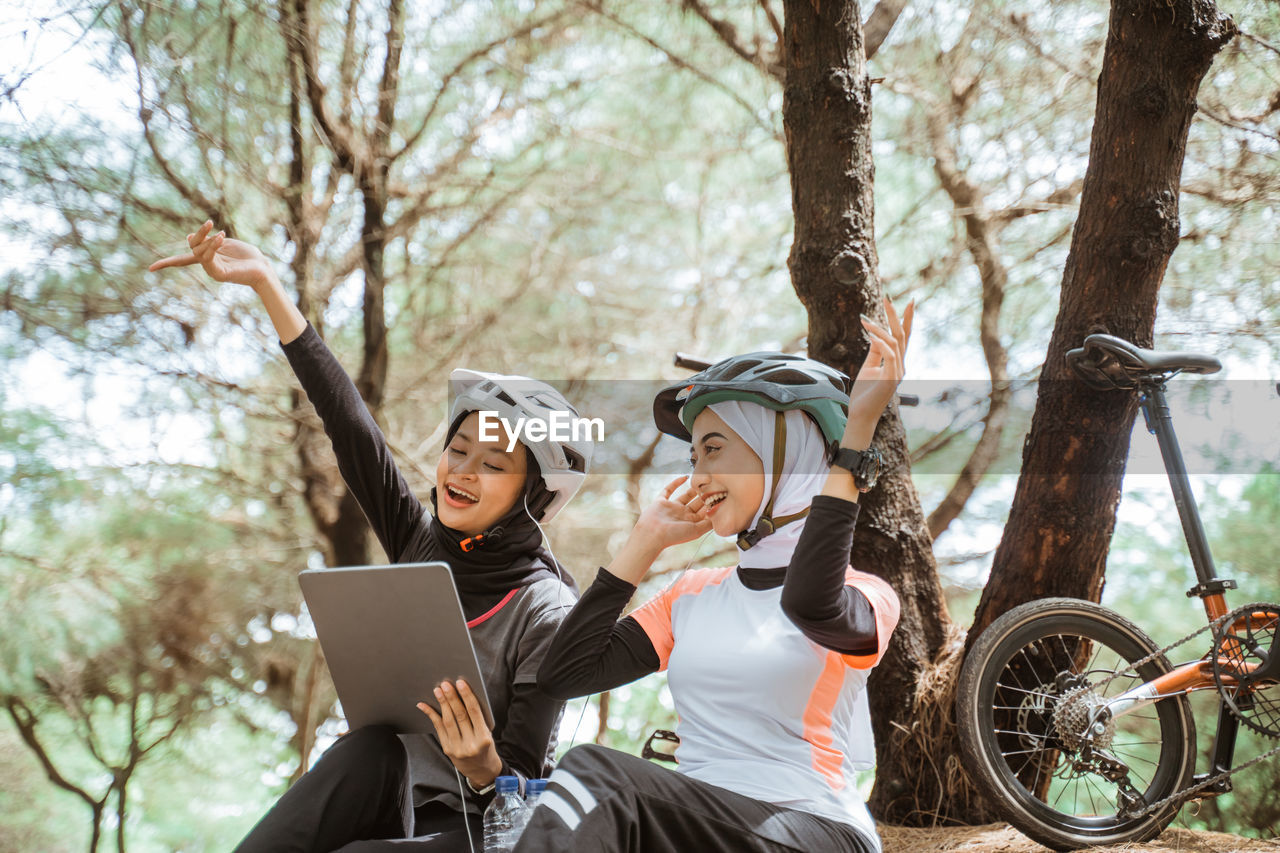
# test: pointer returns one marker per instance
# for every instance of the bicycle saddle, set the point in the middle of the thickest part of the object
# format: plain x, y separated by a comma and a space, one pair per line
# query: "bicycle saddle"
1106, 362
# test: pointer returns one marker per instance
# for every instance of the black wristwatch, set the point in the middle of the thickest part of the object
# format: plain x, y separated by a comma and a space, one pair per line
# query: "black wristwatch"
863, 464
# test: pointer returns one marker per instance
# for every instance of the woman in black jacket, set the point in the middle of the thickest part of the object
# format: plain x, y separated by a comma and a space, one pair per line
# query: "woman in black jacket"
373, 786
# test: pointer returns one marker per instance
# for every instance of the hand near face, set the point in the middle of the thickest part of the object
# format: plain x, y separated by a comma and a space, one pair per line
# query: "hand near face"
464, 737
673, 518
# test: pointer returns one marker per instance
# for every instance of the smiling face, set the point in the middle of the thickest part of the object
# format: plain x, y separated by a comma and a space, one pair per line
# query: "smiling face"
727, 473
477, 482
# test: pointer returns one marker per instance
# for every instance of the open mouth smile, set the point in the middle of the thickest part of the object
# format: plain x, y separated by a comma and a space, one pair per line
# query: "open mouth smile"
459, 497
710, 502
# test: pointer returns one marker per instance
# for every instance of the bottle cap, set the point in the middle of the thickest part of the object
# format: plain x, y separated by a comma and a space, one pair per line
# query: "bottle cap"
535, 786
507, 784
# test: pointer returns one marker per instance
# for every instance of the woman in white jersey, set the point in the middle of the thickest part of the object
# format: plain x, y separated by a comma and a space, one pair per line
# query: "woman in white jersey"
767, 661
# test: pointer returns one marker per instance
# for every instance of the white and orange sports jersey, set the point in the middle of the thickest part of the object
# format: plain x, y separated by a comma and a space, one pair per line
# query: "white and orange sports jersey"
763, 710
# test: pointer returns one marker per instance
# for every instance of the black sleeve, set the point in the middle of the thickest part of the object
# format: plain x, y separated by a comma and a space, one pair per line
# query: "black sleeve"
815, 596
594, 650
522, 746
364, 459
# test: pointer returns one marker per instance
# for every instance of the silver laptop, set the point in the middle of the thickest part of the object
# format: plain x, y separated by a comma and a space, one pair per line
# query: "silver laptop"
390, 635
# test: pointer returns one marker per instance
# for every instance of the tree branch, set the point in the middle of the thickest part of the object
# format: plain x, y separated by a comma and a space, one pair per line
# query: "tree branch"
775, 23
335, 132
192, 194
981, 241
26, 722
474, 56
680, 62
879, 23
728, 34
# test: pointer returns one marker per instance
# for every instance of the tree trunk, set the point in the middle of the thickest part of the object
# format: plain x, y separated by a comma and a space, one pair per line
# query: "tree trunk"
827, 118
1063, 512
337, 517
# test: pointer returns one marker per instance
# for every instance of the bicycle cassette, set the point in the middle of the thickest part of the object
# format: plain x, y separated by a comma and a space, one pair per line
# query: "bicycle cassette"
1246, 666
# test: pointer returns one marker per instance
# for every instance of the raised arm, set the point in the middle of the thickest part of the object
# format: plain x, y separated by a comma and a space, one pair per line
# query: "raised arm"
874, 386
816, 595
364, 459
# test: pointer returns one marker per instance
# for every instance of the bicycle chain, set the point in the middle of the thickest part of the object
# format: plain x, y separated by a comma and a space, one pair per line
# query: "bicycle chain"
1187, 793
1216, 623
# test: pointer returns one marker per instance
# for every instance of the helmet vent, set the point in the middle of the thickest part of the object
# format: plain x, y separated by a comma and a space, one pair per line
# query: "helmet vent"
787, 376
736, 370
576, 460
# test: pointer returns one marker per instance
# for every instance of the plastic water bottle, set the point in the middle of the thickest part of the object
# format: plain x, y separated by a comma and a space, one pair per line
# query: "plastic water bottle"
532, 792
504, 817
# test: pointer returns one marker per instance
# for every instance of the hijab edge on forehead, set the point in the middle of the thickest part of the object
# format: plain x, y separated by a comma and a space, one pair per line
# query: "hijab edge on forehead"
804, 471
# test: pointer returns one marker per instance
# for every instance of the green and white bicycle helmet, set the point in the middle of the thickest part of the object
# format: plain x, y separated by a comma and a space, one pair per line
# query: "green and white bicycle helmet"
773, 379
563, 465
776, 381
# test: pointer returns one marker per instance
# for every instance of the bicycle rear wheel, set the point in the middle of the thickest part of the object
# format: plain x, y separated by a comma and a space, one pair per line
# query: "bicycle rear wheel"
1033, 725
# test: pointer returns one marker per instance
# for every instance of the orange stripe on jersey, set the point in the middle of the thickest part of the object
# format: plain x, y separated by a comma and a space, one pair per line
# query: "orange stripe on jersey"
884, 603
827, 760
654, 615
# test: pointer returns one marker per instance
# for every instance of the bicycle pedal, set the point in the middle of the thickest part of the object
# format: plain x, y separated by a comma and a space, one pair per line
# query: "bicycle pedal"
1217, 789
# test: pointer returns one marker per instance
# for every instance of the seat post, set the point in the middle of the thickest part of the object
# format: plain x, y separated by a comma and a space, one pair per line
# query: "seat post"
1155, 410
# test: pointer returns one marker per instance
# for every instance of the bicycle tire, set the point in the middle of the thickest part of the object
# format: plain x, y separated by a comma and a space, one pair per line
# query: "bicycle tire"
1016, 675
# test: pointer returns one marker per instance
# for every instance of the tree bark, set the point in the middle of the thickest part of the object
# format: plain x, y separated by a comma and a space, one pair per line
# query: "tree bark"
1063, 512
827, 119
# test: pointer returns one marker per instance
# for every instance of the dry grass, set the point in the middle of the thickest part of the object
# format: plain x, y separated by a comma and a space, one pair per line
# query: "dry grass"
929, 735
1001, 838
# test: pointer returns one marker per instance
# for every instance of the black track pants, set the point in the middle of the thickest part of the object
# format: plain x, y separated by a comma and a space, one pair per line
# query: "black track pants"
359, 789
602, 800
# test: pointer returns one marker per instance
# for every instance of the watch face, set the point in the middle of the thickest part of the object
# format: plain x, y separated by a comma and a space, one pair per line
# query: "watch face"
863, 464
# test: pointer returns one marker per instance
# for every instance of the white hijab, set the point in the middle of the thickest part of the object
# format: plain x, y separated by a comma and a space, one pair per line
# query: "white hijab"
804, 471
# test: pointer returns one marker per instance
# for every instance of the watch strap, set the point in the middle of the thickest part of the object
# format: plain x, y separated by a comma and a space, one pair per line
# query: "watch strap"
480, 792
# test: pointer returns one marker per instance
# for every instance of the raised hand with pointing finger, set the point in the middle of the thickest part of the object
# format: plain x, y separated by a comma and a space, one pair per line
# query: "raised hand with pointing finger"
234, 261
223, 258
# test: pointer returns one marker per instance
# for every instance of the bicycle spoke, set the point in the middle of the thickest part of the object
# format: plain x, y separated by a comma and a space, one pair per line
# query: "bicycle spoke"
1021, 734
1040, 693
1092, 784
1065, 786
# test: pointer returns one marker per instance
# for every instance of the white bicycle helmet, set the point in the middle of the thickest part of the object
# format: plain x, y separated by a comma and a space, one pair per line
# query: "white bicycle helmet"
563, 465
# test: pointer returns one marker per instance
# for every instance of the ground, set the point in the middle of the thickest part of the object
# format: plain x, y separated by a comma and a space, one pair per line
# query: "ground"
1000, 838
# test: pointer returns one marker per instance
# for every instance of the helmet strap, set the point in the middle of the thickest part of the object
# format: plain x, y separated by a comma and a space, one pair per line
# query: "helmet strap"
767, 523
